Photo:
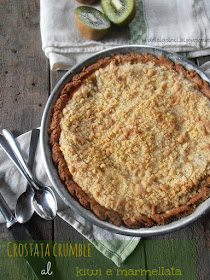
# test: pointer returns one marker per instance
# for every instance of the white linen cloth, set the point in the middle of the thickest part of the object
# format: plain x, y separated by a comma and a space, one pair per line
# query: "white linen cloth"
12, 184
180, 26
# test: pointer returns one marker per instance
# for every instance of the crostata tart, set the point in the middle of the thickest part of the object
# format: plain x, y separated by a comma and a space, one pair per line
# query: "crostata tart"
130, 136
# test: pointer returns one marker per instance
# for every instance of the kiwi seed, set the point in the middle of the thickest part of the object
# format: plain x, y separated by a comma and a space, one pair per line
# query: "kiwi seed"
92, 23
119, 12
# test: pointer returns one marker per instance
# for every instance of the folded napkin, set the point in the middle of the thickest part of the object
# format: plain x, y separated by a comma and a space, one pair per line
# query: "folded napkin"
12, 184
180, 26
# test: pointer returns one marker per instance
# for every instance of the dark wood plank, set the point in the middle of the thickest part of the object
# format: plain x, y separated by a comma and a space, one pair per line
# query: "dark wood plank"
64, 231
55, 76
202, 60
24, 81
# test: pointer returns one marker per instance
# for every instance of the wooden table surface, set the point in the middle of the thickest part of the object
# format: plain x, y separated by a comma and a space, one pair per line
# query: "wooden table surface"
25, 84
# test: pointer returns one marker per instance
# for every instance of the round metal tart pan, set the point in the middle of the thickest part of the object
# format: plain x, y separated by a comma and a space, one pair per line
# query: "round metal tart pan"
52, 170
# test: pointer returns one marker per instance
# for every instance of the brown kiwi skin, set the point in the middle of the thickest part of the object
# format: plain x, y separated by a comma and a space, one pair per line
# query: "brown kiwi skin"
88, 2
88, 32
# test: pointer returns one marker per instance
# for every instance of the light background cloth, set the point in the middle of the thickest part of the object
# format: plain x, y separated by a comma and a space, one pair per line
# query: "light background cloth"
12, 184
180, 26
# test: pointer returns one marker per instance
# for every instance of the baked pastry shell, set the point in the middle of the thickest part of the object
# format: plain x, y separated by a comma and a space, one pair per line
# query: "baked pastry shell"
52, 171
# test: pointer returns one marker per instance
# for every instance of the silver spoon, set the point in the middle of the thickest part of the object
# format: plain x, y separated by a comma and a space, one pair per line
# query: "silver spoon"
24, 206
44, 200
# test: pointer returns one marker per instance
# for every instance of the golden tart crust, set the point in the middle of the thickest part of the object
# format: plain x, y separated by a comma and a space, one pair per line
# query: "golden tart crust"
130, 135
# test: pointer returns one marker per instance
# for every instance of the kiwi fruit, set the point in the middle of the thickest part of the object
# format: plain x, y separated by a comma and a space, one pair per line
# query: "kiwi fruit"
119, 12
88, 2
91, 23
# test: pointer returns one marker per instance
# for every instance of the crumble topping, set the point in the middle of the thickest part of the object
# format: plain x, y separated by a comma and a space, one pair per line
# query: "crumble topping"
136, 138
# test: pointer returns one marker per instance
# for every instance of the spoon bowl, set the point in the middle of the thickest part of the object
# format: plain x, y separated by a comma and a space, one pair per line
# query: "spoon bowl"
42, 201
25, 206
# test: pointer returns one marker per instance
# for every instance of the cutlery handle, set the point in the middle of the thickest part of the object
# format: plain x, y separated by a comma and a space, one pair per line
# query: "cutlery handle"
5, 146
6, 212
32, 148
9, 145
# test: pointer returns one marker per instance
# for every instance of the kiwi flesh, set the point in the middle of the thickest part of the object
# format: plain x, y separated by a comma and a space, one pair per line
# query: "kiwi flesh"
91, 23
119, 12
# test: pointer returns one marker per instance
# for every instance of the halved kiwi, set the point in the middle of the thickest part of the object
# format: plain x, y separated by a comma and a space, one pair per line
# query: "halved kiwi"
92, 23
120, 12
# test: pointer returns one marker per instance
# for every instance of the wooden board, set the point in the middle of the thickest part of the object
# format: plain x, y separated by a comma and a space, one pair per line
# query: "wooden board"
24, 79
